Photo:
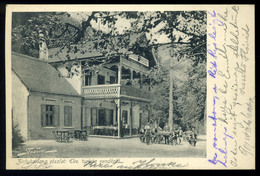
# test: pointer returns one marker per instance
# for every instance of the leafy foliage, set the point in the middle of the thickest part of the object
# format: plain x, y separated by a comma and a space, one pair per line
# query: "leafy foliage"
34, 28
189, 91
17, 138
192, 98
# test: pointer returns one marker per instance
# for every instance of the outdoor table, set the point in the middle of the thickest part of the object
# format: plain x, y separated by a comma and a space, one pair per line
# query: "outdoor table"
64, 135
165, 134
81, 134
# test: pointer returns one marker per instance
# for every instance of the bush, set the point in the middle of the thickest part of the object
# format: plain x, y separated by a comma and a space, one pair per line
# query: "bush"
17, 138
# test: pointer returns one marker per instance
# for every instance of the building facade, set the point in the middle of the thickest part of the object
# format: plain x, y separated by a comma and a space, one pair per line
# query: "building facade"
42, 101
111, 99
116, 97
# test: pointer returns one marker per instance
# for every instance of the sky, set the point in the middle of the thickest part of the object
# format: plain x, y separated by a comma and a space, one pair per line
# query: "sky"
123, 24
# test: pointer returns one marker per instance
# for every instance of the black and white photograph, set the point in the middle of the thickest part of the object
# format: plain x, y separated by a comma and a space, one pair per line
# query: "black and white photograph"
113, 84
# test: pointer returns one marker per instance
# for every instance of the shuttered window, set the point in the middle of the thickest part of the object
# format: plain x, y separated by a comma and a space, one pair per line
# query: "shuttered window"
87, 80
93, 116
101, 79
112, 80
67, 115
109, 117
87, 121
49, 115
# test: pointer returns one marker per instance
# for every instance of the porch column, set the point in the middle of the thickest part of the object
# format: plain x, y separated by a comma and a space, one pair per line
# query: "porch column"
131, 117
119, 74
119, 101
141, 81
119, 117
149, 112
82, 122
149, 89
131, 76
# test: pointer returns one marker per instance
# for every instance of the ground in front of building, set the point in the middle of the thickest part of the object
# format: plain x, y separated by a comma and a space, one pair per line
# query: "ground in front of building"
107, 147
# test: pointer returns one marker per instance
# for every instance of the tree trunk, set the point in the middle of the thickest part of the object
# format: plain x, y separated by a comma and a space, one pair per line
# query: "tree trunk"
170, 120
205, 118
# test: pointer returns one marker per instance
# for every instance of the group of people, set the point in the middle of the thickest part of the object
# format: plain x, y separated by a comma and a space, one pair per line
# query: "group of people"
154, 134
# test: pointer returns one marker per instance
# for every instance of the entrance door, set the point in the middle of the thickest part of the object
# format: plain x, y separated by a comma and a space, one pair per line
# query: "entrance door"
101, 117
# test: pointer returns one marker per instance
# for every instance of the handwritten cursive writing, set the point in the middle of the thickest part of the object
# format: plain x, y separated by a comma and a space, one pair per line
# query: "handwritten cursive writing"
35, 163
138, 164
150, 164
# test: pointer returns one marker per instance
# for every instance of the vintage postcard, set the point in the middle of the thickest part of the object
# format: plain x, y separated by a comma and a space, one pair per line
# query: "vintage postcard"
130, 87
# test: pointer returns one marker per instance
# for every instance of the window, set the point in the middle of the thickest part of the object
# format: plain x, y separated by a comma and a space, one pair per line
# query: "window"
67, 115
101, 79
49, 115
112, 80
109, 117
124, 115
88, 77
93, 116
87, 120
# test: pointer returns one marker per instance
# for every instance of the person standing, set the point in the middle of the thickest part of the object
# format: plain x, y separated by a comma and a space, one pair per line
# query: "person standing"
147, 133
166, 128
180, 135
122, 130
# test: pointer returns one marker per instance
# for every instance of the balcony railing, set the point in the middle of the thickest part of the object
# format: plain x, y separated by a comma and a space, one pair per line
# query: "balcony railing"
101, 91
112, 91
134, 92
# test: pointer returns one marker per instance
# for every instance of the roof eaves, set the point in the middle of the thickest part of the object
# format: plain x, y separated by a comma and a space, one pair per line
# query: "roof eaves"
73, 95
28, 57
29, 90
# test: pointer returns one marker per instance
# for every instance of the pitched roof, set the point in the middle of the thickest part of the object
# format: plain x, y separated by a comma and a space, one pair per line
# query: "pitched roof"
38, 75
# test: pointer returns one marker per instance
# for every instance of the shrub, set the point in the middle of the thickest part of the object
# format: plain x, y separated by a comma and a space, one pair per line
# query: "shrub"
17, 138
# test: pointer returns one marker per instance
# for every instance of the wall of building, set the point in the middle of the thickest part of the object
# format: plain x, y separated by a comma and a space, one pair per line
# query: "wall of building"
136, 114
19, 105
75, 81
137, 122
36, 99
104, 72
144, 119
88, 104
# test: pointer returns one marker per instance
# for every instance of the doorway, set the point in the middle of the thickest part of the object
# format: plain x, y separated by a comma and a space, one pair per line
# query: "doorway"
101, 117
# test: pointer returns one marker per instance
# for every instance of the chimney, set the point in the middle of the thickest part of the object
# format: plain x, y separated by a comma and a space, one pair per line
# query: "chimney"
43, 50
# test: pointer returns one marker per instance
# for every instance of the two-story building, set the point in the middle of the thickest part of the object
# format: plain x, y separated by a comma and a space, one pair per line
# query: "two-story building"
115, 96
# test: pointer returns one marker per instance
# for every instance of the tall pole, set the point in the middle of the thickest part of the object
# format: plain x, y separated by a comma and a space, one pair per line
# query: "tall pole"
119, 117
131, 117
170, 120
119, 102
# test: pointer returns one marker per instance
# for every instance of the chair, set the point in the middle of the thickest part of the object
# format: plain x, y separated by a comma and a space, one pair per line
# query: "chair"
68, 136
76, 134
56, 136
84, 135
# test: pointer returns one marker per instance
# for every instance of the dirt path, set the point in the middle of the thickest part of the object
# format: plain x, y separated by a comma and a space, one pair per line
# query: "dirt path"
103, 148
